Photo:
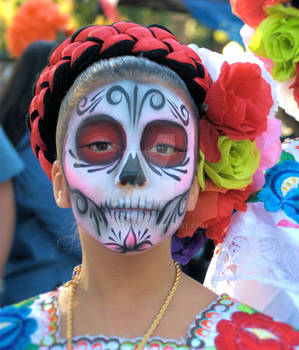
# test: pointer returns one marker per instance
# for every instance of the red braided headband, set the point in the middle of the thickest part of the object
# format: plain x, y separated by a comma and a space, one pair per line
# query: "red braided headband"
91, 44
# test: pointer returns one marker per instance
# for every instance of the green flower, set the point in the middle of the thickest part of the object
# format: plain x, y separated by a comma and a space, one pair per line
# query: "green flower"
239, 161
200, 170
277, 38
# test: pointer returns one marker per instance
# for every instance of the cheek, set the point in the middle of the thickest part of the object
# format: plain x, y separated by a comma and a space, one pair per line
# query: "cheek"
92, 185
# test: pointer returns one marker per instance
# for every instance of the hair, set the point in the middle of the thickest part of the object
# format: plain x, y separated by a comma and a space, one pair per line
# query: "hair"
97, 43
18, 93
114, 69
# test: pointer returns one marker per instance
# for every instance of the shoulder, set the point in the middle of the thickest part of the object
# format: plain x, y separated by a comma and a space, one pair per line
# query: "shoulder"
228, 324
11, 163
30, 323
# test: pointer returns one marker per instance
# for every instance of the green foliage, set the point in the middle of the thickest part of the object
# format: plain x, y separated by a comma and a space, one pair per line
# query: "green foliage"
85, 11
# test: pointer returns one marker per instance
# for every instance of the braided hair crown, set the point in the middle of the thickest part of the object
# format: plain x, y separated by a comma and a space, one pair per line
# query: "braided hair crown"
94, 43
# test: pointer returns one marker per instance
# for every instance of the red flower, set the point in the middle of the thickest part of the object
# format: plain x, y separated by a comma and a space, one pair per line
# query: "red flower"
256, 332
251, 12
239, 101
295, 86
214, 211
227, 202
208, 136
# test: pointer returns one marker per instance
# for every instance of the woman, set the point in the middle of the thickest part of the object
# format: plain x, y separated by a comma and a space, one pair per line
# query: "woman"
38, 238
114, 123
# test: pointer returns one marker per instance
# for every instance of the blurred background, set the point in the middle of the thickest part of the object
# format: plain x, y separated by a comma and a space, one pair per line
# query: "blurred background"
208, 23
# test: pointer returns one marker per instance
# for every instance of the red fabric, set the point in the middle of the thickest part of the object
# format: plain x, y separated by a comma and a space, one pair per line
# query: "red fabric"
103, 33
252, 12
239, 106
295, 86
147, 44
84, 33
238, 333
53, 71
57, 53
162, 34
80, 49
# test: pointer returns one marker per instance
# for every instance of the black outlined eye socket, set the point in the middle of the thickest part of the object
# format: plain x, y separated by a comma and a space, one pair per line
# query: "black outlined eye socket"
100, 140
164, 143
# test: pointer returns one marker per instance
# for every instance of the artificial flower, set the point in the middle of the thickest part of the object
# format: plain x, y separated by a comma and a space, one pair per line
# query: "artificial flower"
35, 20
269, 146
239, 101
227, 203
251, 12
184, 248
246, 33
281, 190
286, 97
208, 141
239, 161
295, 85
213, 211
255, 331
277, 38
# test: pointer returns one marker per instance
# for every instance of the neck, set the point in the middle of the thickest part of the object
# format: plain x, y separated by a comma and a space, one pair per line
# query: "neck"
108, 276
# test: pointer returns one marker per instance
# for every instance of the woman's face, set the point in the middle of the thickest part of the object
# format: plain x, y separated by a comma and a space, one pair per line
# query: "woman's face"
128, 159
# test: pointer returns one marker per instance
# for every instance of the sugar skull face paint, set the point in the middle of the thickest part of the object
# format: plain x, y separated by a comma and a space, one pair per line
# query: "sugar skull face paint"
129, 164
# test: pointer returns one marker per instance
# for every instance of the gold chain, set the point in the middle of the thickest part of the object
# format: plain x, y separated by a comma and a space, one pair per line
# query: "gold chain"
75, 281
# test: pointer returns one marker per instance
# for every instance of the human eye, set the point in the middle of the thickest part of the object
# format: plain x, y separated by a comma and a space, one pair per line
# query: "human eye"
101, 142
164, 148
164, 143
101, 146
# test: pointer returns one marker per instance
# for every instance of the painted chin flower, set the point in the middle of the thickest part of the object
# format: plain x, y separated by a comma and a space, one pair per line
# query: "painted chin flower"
239, 101
239, 161
277, 38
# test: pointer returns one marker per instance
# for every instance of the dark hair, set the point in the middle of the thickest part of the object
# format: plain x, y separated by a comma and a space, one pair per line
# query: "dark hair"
18, 93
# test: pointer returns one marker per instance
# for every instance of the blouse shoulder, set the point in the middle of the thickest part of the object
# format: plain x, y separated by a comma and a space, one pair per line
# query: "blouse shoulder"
228, 324
30, 324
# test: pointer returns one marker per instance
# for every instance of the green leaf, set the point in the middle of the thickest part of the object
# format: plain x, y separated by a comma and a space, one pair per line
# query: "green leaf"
246, 309
286, 156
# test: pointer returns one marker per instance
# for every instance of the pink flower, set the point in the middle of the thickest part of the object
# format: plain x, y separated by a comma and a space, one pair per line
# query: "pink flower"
269, 146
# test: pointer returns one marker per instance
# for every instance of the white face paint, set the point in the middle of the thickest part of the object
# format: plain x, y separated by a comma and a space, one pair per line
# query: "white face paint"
129, 163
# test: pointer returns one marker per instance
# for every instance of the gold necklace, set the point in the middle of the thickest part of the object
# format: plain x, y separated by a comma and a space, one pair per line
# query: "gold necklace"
75, 281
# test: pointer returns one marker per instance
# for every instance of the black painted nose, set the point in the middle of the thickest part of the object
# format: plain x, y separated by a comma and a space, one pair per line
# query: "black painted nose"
132, 172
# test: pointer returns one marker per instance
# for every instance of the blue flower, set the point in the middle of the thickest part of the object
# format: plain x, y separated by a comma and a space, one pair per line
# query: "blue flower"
281, 189
16, 327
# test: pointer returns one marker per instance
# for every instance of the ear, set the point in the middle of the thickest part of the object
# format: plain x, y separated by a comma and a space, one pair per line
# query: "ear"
193, 195
60, 189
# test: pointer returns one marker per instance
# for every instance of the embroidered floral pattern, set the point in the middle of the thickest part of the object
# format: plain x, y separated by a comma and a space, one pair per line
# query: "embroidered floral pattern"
255, 331
16, 326
34, 325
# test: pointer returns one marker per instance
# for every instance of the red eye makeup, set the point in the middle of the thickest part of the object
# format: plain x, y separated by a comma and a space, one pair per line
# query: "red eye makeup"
100, 140
164, 143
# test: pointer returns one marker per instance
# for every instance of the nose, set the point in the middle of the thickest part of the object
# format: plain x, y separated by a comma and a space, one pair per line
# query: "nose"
132, 173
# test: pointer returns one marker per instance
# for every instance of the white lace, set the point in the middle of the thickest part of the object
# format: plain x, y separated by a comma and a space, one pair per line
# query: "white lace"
256, 248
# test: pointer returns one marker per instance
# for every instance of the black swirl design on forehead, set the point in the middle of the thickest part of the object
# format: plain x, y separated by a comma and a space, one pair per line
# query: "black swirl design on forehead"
181, 112
135, 103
